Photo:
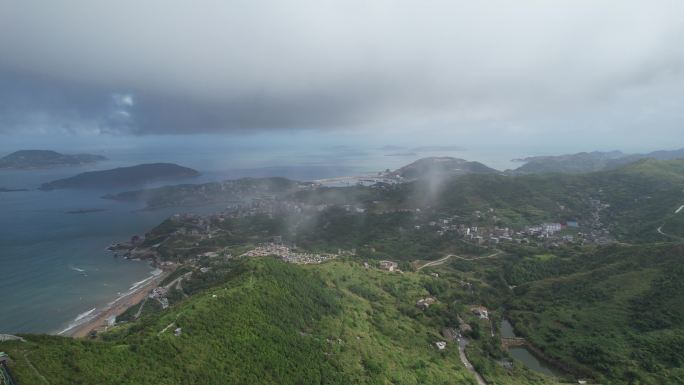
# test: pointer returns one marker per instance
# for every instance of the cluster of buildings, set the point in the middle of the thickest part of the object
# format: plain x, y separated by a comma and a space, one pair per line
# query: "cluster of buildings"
388, 265
159, 294
289, 255
548, 234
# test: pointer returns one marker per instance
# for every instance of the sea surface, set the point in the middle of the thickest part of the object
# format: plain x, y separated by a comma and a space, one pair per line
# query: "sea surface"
54, 270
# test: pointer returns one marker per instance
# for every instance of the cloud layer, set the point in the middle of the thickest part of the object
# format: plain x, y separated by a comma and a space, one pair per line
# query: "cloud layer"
214, 66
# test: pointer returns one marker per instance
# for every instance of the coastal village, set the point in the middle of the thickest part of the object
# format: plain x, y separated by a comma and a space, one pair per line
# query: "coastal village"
480, 227
195, 242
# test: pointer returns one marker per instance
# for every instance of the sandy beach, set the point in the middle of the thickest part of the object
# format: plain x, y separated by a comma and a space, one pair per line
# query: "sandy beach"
120, 305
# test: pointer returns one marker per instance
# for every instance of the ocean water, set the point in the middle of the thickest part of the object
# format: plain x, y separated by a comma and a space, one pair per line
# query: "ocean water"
54, 270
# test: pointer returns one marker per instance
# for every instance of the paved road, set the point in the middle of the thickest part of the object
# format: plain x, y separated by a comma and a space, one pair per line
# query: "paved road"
442, 260
462, 343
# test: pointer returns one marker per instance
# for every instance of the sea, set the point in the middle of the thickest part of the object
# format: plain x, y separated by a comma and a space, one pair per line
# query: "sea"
54, 270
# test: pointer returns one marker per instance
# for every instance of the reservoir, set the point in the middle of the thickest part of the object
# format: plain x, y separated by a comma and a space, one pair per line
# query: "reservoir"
522, 354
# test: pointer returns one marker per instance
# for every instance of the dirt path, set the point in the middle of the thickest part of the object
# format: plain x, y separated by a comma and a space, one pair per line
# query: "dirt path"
169, 325
33, 368
140, 309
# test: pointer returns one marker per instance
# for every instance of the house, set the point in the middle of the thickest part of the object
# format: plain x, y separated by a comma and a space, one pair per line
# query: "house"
480, 311
551, 227
441, 345
425, 303
177, 332
389, 265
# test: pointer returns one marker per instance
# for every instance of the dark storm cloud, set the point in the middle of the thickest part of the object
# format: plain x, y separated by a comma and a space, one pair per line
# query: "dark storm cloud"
211, 66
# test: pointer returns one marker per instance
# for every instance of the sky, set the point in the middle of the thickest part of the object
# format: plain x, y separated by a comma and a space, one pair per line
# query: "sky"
563, 75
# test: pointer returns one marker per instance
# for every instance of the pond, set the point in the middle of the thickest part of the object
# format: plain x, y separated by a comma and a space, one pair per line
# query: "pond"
523, 354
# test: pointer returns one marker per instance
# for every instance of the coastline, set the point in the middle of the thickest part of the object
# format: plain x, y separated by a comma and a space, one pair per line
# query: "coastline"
99, 321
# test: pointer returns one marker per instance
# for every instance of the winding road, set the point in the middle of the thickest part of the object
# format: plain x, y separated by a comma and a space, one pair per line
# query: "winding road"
444, 259
462, 343
661, 232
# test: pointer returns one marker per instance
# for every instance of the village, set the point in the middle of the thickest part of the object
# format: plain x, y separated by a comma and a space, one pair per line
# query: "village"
288, 254
545, 234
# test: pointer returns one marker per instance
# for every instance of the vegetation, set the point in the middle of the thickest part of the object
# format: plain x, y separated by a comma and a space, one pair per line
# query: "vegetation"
270, 323
613, 313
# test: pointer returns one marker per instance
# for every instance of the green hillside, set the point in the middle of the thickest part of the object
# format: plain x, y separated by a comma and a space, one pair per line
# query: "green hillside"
271, 323
617, 312
610, 311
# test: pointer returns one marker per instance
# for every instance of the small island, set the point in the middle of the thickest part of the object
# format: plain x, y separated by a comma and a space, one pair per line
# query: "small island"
4, 189
24, 159
85, 211
123, 177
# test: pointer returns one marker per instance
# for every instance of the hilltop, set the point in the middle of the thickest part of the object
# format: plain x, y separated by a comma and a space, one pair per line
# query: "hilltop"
123, 177
45, 158
441, 167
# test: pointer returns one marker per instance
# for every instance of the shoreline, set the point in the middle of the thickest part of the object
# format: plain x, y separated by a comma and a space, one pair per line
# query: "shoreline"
100, 320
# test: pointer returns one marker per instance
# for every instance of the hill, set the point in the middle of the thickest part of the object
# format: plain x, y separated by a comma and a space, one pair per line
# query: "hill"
585, 162
123, 177
265, 322
45, 158
441, 167
614, 312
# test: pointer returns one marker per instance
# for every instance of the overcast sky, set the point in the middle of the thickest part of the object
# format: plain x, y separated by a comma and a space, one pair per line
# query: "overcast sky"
597, 74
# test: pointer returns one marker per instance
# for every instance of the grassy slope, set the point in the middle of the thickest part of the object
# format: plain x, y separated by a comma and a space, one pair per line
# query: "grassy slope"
619, 316
273, 323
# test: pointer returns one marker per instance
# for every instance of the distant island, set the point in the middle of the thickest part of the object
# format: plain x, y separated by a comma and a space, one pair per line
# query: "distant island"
123, 177
45, 158
584, 162
3, 189
85, 211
